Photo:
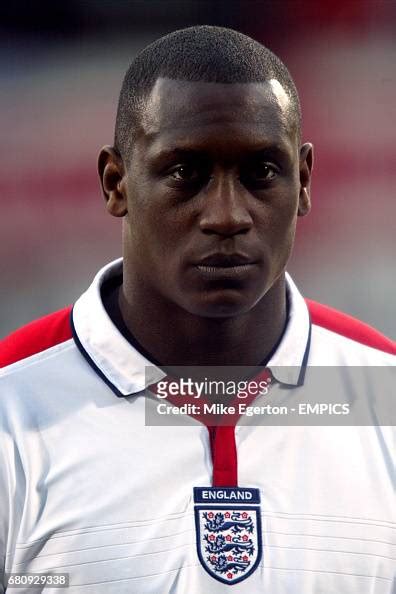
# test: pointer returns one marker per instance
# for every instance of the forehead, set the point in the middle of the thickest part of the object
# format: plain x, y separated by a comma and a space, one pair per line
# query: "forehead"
181, 108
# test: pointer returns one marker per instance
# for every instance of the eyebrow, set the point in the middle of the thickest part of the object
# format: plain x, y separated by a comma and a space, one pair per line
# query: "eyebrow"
190, 152
177, 151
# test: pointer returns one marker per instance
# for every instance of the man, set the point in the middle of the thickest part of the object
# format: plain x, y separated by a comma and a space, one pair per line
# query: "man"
209, 174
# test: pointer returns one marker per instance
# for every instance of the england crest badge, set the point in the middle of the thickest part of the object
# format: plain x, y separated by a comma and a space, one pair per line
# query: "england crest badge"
228, 531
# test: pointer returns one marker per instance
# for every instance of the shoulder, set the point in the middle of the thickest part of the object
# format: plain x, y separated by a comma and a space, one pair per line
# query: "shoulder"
346, 340
37, 337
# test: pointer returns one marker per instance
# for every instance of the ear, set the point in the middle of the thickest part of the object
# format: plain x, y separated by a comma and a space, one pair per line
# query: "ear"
306, 163
111, 175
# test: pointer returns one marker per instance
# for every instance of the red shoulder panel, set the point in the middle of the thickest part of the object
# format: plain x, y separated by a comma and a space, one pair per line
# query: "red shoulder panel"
350, 327
36, 337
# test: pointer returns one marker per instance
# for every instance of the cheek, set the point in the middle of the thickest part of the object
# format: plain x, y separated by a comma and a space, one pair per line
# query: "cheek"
149, 238
278, 233
286, 245
279, 218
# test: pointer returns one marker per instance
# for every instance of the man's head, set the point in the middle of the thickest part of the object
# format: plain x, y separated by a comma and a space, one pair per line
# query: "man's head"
207, 171
198, 54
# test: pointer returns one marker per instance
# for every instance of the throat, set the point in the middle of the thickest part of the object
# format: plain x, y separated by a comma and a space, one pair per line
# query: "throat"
179, 338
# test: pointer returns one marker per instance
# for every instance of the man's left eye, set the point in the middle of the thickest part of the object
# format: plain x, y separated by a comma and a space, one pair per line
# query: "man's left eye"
263, 172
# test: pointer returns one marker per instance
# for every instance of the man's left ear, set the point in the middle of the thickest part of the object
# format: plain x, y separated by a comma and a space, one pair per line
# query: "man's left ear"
306, 163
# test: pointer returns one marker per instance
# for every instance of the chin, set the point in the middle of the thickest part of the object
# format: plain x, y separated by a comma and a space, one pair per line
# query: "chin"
221, 305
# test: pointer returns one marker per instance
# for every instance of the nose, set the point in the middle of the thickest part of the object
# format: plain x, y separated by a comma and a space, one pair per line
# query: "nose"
225, 208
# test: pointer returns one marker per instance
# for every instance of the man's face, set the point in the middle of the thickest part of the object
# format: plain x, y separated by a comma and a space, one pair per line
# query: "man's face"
212, 191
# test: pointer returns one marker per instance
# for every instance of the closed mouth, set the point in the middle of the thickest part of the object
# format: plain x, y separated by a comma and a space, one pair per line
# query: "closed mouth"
215, 261
218, 268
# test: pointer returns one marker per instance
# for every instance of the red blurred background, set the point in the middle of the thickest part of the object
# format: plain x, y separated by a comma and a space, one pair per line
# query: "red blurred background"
61, 67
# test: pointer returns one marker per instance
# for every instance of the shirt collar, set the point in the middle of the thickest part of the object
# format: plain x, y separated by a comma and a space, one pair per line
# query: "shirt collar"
126, 371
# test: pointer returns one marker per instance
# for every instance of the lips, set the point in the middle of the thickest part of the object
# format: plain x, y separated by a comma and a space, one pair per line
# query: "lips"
225, 267
225, 260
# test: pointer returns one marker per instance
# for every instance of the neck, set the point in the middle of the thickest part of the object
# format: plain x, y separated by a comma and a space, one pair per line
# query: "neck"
173, 336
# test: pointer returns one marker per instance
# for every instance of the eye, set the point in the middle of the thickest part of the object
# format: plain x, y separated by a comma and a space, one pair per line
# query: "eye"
185, 173
263, 171
259, 174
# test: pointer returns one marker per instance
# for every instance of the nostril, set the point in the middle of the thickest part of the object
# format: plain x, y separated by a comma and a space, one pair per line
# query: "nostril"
226, 226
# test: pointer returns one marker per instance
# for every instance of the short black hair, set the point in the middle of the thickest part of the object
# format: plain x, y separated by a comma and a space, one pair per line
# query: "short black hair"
201, 53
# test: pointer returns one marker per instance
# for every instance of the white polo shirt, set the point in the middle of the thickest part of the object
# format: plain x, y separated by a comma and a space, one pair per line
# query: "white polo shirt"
87, 488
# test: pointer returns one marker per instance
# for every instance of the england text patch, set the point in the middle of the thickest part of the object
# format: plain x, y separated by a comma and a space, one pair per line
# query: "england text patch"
228, 531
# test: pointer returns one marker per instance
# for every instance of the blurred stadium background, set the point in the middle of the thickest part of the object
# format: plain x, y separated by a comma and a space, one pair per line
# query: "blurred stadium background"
61, 67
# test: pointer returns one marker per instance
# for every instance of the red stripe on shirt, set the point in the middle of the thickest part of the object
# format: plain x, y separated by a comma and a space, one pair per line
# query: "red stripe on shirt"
224, 456
36, 337
340, 323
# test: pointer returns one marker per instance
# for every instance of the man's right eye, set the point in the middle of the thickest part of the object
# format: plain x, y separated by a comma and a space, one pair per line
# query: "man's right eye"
184, 173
